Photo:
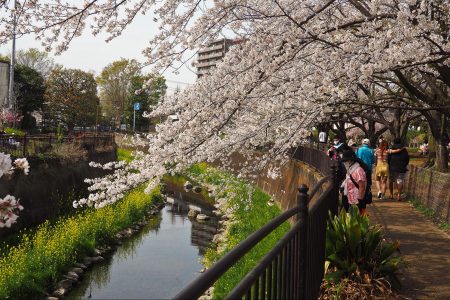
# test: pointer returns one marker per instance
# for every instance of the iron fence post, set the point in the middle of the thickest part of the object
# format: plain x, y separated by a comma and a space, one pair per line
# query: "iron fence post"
335, 195
302, 202
24, 146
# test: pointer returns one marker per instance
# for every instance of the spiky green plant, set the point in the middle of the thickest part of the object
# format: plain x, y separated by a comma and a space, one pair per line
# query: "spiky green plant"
356, 249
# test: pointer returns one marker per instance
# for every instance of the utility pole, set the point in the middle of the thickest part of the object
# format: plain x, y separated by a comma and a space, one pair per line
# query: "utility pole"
136, 106
11, 101
134, 118
96, 119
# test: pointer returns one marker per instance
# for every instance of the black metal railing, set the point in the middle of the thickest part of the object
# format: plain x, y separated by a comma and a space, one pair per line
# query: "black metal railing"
294, 267
41, 144
316, 158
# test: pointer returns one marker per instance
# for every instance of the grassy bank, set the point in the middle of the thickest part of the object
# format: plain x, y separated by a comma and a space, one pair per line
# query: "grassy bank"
249, 209
430, 214
40, 257
124, 154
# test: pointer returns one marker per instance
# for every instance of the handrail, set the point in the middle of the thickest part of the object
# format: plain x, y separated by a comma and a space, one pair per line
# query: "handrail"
265, 261
322, 196
38, 144
318, 185
297, 257
197, 287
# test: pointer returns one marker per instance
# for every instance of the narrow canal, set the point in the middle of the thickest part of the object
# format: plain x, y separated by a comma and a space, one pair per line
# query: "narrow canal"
157, 262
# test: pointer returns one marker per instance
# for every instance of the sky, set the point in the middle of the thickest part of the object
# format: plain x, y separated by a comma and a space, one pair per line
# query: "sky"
90, 53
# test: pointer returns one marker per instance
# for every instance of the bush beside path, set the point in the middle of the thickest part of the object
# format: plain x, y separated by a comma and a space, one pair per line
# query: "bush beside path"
425, 248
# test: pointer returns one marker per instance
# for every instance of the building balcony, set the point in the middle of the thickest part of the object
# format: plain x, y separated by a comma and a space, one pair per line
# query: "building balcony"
201, 64
212, 55
211, 48
203, 71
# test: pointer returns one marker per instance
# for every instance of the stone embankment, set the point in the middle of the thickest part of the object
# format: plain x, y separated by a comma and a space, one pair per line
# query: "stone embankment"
220, 238
75, 275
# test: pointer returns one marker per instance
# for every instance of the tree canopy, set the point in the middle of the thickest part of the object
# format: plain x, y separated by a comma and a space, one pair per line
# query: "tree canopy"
29, 91
37, 60
299, 63
146, 90
114, 82
71, 98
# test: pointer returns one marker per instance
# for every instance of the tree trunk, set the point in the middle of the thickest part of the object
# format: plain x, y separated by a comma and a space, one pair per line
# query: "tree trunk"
441, 158
438, 130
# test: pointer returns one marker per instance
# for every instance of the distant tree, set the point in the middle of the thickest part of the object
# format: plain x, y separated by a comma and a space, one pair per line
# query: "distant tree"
29, 92
146, 90
114, 82
71, 97
37, 60
4, 58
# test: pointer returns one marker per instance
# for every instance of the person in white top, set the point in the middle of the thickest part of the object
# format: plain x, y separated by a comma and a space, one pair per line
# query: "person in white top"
322, 137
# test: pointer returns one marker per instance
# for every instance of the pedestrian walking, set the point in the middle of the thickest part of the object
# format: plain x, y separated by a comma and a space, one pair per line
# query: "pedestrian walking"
333, 150
353, 188
424, 148
322, 137
365, 153
352, 144
398, 161
382, 168
337, 148
311, 138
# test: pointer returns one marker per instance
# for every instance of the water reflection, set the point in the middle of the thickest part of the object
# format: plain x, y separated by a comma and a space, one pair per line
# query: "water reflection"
155, 263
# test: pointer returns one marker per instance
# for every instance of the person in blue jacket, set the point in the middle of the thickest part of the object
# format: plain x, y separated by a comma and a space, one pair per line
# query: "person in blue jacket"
366, 154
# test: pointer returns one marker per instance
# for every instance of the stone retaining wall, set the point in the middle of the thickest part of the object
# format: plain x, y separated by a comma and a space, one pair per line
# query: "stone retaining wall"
431, 188
284, 189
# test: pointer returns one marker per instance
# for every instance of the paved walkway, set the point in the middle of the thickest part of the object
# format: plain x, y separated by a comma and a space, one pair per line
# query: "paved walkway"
424, 246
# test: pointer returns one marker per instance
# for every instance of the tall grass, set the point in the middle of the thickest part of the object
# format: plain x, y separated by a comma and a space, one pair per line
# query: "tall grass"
250, 212
15, 131
124, 154
40, 257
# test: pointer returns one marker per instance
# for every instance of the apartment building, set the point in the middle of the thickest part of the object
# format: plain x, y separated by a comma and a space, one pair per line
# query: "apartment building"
209, 56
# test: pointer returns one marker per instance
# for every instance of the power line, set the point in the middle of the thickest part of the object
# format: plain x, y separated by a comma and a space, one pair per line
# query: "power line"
180, 82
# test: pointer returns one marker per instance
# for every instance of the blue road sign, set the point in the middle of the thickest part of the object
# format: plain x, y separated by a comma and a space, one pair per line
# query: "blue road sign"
137, 106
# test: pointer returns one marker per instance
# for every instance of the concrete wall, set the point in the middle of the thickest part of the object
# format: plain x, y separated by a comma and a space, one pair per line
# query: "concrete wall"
50, 188
431, 188
284, 188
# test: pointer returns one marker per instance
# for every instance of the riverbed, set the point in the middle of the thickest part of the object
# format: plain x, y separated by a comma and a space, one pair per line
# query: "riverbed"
155, 263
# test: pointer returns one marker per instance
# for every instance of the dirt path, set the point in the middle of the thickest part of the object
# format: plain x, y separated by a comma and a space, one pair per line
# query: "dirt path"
425, 248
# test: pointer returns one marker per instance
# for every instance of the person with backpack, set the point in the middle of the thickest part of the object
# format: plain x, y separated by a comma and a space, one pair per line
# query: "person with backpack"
365, 153
354, 185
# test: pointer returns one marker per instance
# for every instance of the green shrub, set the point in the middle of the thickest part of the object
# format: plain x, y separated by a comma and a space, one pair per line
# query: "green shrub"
356, 249
15, 131
39, 258
249, 214
124, 154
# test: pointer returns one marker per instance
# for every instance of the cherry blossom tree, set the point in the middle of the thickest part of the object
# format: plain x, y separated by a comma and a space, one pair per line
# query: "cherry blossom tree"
9, 205
298, 60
